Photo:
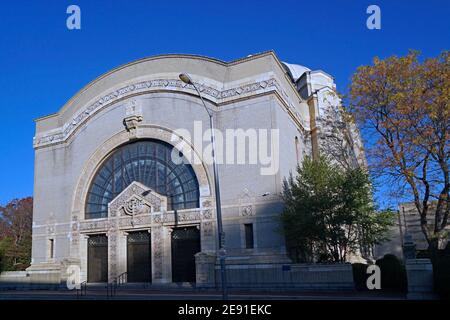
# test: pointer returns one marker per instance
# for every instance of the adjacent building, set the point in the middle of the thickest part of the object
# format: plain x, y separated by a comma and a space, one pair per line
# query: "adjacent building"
407, 227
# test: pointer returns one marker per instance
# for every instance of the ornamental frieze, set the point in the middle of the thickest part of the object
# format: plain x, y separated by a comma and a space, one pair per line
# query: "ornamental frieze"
89, 225
188, 216
61, 134
174, 217
144, 220
135, 221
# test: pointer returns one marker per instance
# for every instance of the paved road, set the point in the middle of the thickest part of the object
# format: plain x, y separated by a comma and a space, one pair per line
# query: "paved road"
161, 295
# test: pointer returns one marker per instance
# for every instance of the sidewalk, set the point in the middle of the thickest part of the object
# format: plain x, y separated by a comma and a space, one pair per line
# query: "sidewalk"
170, 295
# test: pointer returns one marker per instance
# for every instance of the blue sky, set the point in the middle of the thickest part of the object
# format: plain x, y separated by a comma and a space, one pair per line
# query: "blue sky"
42, 63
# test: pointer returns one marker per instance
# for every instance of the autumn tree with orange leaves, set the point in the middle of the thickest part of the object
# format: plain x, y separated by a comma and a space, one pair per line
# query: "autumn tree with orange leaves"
15, 234
403, 104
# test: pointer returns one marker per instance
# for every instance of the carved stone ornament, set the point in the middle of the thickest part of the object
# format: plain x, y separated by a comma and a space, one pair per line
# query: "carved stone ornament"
246, 199
247, 211
137, 199
134, 206
207, 228
132, 118
207, 214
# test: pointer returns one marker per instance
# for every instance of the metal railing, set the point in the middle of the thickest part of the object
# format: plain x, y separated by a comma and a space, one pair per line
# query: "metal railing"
82, 290
122, 278
111, 287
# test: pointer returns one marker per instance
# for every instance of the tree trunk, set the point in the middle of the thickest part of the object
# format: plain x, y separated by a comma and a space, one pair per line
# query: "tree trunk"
433, 249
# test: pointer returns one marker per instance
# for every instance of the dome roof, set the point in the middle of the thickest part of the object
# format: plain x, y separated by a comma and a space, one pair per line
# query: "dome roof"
295, 70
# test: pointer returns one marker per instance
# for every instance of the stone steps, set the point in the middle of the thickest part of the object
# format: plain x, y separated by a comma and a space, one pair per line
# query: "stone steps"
145, 286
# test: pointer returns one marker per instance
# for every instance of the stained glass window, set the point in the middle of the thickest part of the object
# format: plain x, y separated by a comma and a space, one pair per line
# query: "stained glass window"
148, 162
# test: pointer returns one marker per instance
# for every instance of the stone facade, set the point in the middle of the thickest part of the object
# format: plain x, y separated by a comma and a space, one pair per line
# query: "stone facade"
407, 226
146, 100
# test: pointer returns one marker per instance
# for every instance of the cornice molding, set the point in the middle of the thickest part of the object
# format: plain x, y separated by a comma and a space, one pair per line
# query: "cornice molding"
69, 103
213, 94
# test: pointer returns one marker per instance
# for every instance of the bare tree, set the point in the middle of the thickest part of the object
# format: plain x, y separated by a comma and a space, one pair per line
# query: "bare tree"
404, 107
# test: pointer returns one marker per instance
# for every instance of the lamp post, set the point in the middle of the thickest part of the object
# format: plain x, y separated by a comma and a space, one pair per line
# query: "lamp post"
222, 253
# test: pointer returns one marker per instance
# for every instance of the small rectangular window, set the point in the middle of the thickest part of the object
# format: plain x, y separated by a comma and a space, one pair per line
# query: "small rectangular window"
51, 248
249, 236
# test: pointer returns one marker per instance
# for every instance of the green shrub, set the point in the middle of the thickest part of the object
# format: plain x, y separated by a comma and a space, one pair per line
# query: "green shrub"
393, 274
360, 276
442, 276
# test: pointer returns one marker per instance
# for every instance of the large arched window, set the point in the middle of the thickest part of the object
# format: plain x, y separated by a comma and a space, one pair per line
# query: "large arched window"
148, 162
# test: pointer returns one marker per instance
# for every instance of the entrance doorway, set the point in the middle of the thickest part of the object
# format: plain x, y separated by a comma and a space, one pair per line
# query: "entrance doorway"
185, 244
98, 258
139, 257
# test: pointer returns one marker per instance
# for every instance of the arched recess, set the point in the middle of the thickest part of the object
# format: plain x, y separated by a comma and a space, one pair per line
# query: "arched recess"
78, 247
144, 131
149, 162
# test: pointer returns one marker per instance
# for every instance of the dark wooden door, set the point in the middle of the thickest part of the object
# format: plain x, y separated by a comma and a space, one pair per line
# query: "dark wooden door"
185, 244
139, 257
98, 258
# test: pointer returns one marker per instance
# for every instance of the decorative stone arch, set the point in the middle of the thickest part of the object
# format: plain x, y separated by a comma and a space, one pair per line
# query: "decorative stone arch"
144, 131
153, 75
166, 82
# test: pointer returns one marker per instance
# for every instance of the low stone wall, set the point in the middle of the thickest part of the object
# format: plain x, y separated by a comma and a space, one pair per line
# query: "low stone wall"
18, 277
270, 276
30, 279
307, 277
420, 279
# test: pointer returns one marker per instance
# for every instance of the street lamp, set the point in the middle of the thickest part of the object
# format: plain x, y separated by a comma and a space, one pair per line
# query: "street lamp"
187, 79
